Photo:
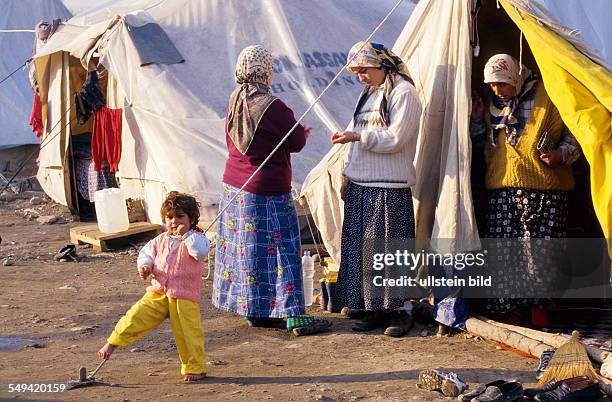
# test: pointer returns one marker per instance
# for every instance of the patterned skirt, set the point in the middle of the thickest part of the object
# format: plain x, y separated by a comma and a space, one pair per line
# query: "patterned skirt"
525, 213
370, 213
258, 271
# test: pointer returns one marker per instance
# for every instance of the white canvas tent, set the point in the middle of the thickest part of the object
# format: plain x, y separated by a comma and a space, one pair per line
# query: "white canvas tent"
435, 44
173, 137
16, 95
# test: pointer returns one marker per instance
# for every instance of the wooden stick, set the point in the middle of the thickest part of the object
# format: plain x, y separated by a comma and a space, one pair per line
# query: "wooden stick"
499, 334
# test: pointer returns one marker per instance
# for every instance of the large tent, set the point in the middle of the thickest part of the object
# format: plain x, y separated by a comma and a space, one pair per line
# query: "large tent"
17, 21
570, 45
173, 136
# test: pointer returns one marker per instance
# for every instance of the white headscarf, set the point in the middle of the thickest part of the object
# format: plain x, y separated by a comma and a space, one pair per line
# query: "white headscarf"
505, 68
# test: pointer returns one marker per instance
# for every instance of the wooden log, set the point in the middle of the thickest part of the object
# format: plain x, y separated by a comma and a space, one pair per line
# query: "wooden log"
554, 340
511, 338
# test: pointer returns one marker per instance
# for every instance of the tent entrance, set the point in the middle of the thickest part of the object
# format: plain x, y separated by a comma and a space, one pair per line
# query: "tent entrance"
83, 179
497, 33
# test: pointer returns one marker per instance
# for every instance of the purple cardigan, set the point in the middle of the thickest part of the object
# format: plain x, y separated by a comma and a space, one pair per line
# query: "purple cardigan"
275, 177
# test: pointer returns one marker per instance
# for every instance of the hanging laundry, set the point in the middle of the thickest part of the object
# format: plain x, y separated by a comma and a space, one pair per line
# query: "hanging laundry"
89, 98
36, 116
106, 138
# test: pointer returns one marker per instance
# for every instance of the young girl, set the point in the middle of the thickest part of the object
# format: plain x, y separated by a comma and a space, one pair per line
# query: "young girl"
174, 259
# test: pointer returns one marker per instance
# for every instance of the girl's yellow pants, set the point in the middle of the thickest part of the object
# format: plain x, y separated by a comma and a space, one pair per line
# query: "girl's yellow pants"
150, 311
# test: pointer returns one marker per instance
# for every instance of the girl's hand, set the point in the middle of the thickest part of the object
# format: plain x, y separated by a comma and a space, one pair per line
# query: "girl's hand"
144, 272
342, 137
181, 230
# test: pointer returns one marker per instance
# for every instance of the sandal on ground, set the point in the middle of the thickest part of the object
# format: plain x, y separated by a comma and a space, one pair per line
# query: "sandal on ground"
318, 325
66, 254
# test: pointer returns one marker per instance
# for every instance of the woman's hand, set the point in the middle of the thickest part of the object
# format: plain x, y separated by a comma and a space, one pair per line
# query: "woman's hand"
144, 272
342, 137
307, 131
477, 106
552, 158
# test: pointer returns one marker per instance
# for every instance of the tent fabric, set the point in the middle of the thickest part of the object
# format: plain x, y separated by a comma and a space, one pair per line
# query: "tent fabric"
582, 92
583, 23
174, 114
442, 194
16, 94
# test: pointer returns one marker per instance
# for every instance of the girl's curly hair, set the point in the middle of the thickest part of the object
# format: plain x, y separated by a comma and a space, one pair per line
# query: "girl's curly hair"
185, 203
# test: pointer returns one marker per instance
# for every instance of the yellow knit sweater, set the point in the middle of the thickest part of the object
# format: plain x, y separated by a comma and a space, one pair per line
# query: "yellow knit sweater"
521, 166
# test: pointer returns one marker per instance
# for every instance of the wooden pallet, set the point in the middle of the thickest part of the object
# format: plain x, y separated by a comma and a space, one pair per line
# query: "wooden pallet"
90, 234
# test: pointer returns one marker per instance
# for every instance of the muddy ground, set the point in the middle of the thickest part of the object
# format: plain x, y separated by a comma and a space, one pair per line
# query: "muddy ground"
54, 316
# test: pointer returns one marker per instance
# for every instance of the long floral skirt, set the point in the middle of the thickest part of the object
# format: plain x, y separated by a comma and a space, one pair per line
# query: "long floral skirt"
257, 260
525, 213
370, 213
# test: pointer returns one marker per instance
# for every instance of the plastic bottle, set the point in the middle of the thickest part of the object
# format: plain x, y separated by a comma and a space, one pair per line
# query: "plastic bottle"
111, 210
307, 277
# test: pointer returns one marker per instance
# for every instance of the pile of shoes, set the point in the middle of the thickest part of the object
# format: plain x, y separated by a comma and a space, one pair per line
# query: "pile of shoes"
396, 323
576, 389
495, 391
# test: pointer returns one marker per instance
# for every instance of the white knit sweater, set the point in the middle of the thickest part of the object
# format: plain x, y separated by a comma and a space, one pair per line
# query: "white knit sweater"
384, 156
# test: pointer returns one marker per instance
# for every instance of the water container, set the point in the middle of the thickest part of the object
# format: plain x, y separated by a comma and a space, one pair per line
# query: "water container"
307, 277
111, 210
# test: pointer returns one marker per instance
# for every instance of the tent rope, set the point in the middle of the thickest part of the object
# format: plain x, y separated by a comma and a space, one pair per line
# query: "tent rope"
17, 69
43, 144
282, 141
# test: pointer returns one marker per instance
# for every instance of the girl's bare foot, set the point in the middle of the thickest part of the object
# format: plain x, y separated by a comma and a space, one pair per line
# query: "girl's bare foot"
106, 351
194, 377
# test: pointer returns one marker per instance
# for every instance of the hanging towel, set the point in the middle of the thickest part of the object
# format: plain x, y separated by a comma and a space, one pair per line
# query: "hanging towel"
106, 138
36, 116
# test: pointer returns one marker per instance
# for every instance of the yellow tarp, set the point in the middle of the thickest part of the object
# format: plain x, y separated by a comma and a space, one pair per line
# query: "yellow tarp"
582, 91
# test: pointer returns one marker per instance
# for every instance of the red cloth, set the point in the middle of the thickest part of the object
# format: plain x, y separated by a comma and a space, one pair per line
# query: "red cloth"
275, 177
36, 116
106, 138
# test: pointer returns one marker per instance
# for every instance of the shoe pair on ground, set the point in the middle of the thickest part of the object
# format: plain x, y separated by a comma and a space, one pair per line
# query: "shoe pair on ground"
496, 391
313, 326
448, 384
576, 389
396, 323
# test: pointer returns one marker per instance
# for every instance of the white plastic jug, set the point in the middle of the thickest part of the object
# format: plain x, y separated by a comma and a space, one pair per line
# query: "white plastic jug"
111, 210
307, 277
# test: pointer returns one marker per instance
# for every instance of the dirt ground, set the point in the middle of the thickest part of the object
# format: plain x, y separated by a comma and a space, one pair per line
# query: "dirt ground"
54, 316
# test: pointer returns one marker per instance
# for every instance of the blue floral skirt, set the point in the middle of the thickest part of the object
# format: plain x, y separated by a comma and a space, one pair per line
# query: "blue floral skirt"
258, 270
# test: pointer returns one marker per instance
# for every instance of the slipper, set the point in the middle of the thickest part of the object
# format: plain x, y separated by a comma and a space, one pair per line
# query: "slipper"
66, 254
318, 325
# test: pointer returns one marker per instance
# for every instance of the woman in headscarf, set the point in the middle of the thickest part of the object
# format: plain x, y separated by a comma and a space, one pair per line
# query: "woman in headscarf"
257, 260
378, 177
528, 154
